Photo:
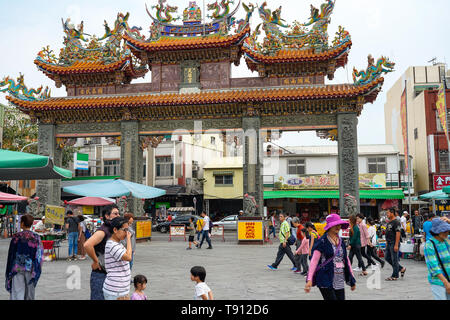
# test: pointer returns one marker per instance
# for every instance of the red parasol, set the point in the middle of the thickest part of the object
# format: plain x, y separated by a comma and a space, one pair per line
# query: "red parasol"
11, 197
91, 201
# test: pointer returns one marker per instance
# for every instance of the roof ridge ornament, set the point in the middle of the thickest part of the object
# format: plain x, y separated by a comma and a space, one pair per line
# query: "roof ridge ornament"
14, 88
373, 71
298, 36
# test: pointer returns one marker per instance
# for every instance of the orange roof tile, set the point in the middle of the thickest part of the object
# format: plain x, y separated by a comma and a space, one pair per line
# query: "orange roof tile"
209, 97
178, 43
297, 55
83, 67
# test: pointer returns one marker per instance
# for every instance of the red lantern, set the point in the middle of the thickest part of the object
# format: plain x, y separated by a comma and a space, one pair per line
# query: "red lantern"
36, 198
123, 197
66, 202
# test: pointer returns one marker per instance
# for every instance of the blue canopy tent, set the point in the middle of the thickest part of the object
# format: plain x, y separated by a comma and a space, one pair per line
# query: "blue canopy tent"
114, 189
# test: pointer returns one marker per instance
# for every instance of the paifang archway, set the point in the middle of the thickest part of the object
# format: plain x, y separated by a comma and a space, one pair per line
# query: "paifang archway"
192, 88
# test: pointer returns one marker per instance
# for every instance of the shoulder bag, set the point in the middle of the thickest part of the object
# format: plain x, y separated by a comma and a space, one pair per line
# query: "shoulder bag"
440, 261
325, 263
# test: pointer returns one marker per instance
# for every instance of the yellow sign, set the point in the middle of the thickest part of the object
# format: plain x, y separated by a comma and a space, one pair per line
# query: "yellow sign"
291, 182
54, 215
250, 230
88, 210
143, 229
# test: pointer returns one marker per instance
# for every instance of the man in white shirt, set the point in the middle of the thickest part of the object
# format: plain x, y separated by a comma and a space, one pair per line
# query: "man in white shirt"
205, 231
403, 224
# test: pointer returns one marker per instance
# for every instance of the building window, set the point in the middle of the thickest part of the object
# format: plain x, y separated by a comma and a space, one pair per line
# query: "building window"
443, 161
144, 174
82, 173
224, 180
296, 166
111, 167
213, 141
416, 134
26, 184
377, 165
164, 167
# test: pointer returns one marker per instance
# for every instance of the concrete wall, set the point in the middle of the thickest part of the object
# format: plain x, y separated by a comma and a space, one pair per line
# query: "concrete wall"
236, 191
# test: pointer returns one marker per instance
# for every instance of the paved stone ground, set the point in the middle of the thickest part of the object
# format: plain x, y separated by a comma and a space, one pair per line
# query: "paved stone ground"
234, 272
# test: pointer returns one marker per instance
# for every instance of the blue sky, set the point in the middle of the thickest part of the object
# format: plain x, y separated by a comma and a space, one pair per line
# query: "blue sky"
409, 32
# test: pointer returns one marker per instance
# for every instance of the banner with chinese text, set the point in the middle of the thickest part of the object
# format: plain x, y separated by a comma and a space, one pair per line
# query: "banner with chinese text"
442, 108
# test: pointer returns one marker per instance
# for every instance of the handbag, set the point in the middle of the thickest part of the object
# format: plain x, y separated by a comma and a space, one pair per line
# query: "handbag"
440, 261
325, 263
291, 240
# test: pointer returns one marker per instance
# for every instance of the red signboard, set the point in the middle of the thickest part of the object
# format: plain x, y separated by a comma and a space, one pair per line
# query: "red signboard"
441, 181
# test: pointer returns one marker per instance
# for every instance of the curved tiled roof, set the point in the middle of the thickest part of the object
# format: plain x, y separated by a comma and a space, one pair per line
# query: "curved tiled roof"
205, 97
182, 43
297, 55
84, 67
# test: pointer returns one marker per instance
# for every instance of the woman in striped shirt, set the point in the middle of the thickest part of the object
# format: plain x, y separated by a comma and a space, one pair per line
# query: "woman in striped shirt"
117, 261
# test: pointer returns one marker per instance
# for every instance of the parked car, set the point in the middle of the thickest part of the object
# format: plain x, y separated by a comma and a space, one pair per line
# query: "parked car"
179, 220
228, 223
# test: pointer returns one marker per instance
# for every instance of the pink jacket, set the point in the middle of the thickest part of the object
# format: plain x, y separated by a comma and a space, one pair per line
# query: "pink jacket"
304, 247
364, 232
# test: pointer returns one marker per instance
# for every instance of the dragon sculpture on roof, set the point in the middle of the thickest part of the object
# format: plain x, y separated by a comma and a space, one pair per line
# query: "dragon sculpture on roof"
373, 71
220, 10
163, 12
310, 35
19, 90
107, 49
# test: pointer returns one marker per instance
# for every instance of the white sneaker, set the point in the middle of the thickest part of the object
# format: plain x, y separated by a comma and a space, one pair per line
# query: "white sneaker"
357, 269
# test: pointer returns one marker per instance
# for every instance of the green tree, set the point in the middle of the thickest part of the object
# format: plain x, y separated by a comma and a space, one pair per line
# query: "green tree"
19, 131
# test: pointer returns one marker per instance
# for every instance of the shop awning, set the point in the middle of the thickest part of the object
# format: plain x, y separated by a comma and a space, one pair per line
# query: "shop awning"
332, 194
26, 166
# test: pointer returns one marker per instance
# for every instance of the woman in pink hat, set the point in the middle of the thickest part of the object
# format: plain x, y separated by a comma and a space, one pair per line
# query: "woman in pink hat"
330, 268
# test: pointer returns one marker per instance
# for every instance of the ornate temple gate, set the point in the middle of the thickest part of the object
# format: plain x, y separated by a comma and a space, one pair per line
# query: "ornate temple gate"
192, 90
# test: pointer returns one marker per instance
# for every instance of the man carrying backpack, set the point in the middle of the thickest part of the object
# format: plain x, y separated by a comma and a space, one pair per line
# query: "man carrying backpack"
206, 230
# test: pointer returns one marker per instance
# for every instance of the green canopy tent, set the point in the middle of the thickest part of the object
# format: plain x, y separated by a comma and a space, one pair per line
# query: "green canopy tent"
26, 166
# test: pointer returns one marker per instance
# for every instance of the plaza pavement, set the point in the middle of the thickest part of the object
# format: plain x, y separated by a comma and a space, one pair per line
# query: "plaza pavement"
234, 272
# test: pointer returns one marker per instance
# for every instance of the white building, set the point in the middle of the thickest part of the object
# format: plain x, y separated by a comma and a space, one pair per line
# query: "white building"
304, 179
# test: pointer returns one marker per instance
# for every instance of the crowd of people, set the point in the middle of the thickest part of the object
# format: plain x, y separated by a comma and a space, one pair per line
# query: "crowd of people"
330, 259
325, 261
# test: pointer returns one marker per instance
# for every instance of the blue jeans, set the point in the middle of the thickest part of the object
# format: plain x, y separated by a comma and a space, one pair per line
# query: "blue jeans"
205, 234
272, 230
391, 257
73, 243
97, 280
439, 292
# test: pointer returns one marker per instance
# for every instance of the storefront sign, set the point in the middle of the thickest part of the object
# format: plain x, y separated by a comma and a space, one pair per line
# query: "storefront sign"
177, 231
88, 210
367, 180
250, 230
54, 215
441, 181
143, 229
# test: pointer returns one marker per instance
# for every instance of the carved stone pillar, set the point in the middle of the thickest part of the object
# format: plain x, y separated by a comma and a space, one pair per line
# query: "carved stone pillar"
348, 159
49, 191
131, 161
252, 166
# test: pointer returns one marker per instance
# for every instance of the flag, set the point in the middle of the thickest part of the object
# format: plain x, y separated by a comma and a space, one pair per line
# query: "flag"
81, 161
441, 107
403, 114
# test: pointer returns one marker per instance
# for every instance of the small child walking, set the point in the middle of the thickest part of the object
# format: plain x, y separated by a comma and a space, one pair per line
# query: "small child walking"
303, 251
202, 291
191, 229
140, 283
